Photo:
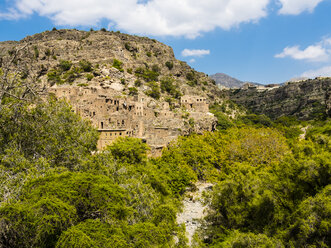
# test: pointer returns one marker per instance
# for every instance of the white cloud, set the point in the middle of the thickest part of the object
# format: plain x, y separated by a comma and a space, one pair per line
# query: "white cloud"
195, 52
321, 72
295, 7
312, 53
319, 52
192, 61
188, 18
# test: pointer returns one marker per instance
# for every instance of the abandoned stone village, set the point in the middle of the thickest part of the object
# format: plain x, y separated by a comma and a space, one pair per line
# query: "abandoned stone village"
125, 85
116, 115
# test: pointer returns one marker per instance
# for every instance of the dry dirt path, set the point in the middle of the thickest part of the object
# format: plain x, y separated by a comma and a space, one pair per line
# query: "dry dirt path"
193, 210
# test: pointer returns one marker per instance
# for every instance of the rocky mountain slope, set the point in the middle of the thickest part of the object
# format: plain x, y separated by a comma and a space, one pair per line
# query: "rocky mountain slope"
224, 80
127, 85
305, 99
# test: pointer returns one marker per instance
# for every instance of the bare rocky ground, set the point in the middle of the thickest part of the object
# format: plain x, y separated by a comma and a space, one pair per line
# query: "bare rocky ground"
304, 130
193, 210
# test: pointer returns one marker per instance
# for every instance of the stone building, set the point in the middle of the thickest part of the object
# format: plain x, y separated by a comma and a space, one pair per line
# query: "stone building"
195, 103
117, 115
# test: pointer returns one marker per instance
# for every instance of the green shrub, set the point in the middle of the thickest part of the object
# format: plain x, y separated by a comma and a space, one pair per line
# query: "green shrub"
133, 91
258, 120
137, 83
155, 68
54, 77
127, 46
223, 121
85, 65
168, 86
36, 52
65, 65
70, 76
48, 52
129, 150
154, 90
89, 76
169, 64
118, 64
190, 76
192, 83
191, 122
147, 74
82, 85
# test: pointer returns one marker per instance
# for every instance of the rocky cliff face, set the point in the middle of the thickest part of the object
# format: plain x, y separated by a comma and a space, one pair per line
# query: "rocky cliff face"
305, 100
126, 85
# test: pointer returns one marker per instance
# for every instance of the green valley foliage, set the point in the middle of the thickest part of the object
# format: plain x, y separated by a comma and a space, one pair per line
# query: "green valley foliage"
271, 189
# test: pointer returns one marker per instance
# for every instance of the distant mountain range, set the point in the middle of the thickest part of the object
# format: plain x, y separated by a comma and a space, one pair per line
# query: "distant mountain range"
225, 80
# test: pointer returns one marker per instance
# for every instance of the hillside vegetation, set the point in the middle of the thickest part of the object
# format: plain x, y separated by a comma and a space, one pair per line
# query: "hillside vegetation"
271, 189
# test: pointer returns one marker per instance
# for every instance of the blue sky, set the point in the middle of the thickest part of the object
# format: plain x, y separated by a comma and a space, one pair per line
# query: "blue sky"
265, 41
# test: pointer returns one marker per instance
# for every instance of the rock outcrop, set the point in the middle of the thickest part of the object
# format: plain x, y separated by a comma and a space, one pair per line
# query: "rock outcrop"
305, 99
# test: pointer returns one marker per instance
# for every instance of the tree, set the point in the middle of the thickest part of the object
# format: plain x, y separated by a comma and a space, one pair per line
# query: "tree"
18, 75
36, 138
249, 240
129, 150
311, 222
49, 205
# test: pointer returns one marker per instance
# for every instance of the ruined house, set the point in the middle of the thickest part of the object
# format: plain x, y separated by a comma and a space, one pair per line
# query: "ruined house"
195, 103
116, 115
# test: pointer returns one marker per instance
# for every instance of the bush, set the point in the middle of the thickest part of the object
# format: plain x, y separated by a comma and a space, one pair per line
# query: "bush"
192, 83
249, 240
70, 76
133, 91
146, 74
168, 86
127, 46
53, 77
137, 83
85, 65
118, 65
36, 52
89, 77
65, 65
155, 68
169, 64
258, 120
154, 90
48, 52
129, 150
190, 76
